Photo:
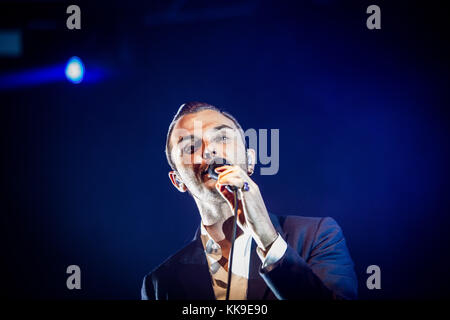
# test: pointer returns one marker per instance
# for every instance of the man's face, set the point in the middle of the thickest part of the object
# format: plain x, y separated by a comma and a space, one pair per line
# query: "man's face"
196, 140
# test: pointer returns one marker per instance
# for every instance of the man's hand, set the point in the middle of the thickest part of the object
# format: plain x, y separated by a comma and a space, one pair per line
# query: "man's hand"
252, 212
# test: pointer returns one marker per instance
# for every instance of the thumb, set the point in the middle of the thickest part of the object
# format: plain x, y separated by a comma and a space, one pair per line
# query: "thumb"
226, 194
229, 197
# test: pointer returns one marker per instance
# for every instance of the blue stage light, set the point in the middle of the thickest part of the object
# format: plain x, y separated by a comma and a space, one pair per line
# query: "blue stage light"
75, 70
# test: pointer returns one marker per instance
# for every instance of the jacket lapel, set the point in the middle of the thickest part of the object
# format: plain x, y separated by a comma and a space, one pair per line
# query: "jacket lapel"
257, 288
193, 278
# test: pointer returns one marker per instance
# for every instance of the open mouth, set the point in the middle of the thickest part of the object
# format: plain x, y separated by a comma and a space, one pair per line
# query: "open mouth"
204, 174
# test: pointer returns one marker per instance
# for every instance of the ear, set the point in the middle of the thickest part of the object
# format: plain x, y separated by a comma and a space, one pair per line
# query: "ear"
251, 161
176, 181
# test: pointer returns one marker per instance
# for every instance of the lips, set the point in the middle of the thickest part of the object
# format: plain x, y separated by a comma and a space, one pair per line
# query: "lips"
204, 174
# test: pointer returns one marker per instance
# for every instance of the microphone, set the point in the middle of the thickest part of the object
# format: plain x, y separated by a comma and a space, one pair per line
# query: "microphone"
216, 163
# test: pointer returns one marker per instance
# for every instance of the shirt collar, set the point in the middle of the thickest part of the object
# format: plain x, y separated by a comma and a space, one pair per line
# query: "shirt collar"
212, 247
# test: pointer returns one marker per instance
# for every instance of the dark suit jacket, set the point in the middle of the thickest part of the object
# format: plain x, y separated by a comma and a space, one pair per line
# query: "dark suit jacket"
316, 265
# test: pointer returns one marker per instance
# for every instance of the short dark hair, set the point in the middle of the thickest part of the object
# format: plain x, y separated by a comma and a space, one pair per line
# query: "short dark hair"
193, 107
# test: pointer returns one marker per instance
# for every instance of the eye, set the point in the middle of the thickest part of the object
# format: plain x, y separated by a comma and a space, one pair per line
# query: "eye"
191, 148
222, 138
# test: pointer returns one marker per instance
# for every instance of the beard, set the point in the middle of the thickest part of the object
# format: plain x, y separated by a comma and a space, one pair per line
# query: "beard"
205, 194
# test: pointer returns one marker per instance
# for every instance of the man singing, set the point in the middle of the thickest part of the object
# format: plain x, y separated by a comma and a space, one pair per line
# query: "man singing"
274, 257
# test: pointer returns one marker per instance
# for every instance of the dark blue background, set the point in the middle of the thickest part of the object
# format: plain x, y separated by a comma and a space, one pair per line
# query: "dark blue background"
363, 119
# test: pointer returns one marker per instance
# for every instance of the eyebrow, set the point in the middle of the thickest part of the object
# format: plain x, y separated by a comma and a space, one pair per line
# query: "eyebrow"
191, 136
221, 127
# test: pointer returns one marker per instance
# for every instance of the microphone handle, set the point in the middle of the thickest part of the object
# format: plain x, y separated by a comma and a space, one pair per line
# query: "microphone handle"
231, 188
215, 176
233, 237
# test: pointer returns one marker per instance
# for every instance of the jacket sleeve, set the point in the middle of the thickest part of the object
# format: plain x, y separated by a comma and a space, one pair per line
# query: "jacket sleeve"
327, 274
147, 290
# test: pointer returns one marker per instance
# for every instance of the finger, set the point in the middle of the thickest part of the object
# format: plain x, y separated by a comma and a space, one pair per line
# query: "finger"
224, 173
234, 172
234, 169
243, 200
222, 168
229, 197
232, 181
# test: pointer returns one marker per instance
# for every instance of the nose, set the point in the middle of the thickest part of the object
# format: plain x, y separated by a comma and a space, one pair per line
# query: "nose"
209, 154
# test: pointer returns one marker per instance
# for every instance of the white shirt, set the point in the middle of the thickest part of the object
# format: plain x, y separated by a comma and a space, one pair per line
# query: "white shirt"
241, 263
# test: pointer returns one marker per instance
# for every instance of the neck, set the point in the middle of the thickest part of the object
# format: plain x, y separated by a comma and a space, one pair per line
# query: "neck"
217, 218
